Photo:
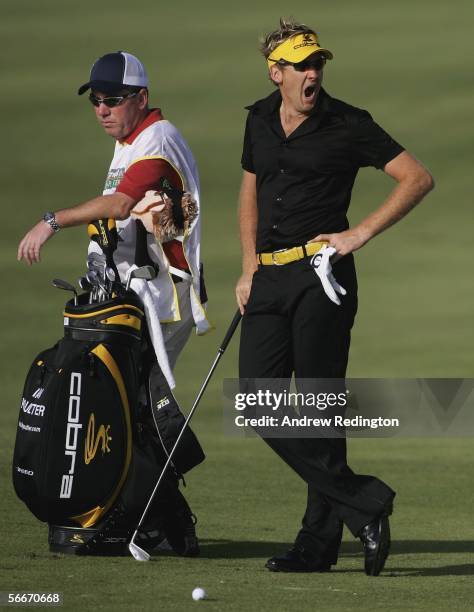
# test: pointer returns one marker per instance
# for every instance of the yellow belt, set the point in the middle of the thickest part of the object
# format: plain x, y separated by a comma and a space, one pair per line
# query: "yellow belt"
285, 256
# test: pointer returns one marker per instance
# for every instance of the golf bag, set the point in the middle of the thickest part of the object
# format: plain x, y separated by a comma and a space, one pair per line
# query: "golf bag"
88, 452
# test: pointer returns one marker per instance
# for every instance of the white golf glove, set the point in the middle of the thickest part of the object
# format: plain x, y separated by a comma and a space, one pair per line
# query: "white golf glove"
321, 263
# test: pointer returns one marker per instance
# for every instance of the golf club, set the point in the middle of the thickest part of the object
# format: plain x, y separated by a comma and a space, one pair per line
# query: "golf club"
92, 278
62, 284
104, 232
95, 260
138, 553
103, 292
110, 277
145, 272
97, 265
84, 284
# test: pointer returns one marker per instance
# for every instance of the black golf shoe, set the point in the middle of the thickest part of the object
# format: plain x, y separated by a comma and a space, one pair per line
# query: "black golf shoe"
297, 559
375, 538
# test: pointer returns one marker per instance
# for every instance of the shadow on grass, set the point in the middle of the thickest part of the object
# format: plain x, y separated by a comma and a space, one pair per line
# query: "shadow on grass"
214, 549
465, 569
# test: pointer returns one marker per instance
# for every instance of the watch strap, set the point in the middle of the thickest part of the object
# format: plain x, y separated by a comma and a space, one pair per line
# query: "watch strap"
50, 219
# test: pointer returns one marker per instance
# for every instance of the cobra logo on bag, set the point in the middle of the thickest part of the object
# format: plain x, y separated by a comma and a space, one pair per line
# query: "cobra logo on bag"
72, 433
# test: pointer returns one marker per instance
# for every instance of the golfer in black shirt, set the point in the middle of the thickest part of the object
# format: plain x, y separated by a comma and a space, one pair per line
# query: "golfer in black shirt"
298, 289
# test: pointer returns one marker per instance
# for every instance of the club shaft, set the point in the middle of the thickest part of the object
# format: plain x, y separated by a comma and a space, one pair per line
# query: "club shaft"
170, 456
220, 352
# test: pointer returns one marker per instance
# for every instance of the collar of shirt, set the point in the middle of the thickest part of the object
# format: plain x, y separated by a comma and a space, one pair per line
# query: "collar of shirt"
153, 116
268, 109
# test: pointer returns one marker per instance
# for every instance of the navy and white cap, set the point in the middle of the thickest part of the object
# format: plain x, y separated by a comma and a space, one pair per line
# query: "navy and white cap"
115, 71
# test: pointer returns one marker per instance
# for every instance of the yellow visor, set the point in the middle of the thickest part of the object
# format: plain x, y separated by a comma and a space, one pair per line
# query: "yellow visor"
296, 49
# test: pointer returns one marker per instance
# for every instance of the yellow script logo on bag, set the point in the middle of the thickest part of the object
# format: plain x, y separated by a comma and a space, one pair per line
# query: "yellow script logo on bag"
93, 440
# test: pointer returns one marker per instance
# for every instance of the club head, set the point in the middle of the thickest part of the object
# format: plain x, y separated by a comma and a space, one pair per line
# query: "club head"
92, 277
94, 266
145, 273
138, 553
62, 284
84, 284
110, 274
95, 259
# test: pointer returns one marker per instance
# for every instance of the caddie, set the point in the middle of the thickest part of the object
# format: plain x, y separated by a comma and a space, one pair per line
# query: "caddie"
147, 147
148, 150
298, 290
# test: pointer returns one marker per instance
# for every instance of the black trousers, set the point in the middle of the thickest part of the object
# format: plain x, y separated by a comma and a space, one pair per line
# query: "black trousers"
291, 327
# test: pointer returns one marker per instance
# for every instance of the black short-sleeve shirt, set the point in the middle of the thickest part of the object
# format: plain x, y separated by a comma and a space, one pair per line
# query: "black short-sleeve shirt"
304, 182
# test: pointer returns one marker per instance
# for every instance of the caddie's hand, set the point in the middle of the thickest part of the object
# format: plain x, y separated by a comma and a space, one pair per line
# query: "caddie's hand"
30, 247
242, 290
321, 263
343, 242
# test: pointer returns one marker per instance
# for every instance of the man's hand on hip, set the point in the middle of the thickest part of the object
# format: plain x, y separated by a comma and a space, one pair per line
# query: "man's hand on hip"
30, 247
344, 242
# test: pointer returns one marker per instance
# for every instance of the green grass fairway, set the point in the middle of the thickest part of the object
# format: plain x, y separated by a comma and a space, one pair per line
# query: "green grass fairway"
410, 64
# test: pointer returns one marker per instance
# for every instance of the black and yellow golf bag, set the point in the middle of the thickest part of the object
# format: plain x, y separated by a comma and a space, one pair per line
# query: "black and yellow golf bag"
89, 448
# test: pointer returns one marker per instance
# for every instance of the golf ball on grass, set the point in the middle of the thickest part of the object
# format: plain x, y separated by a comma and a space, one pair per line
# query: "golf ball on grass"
198, 594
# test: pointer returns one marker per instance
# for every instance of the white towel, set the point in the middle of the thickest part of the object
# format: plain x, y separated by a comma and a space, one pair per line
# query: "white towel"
141, 288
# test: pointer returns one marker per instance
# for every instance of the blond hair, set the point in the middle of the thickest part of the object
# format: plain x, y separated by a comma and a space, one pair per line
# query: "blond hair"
288, 28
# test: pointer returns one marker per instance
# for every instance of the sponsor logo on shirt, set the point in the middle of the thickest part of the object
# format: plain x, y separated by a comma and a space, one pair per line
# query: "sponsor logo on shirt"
114, 177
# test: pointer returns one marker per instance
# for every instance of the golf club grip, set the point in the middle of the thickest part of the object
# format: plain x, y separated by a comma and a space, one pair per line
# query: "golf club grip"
230, 332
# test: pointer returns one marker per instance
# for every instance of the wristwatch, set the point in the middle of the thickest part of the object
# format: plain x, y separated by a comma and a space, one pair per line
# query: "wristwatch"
50, 219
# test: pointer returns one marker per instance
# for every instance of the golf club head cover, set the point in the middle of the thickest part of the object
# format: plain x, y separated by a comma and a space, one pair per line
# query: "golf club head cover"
175, 195
104, 233
321, 263
164, 216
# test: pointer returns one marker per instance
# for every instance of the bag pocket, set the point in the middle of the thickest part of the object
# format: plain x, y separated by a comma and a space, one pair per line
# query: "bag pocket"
73, 450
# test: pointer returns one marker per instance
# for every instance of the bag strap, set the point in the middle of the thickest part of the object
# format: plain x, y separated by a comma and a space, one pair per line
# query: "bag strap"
142, 256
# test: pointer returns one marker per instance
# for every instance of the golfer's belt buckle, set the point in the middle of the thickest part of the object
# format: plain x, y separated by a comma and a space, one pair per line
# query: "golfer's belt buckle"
274, 261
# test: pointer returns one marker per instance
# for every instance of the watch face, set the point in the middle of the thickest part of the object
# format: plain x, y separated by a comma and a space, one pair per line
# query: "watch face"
50, 219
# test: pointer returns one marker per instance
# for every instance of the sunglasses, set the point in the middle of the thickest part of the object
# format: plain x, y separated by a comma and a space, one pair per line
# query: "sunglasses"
316, 63
110, 101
